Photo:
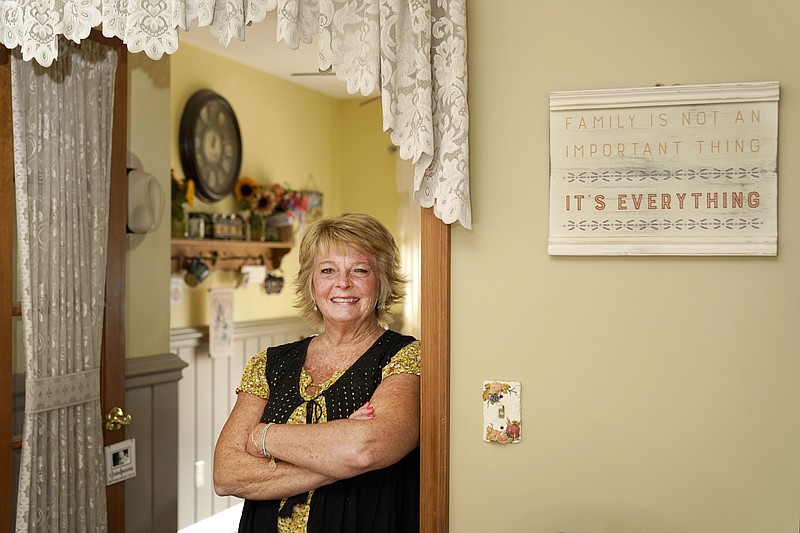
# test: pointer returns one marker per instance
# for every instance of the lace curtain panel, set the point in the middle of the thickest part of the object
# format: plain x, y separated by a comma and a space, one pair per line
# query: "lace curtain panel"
415, 52
62, 151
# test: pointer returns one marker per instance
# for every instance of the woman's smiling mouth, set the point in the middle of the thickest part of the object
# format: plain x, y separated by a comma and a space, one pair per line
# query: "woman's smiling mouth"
344, 300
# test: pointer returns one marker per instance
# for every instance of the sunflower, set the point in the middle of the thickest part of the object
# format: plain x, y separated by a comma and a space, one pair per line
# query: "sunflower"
263, 202
190, 192
245, 188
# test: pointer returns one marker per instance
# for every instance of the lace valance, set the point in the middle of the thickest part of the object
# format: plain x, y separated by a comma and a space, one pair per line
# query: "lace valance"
415, 52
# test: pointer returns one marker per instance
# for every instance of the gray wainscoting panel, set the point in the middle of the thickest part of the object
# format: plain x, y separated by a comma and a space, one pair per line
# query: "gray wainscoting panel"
206, 395
151, 398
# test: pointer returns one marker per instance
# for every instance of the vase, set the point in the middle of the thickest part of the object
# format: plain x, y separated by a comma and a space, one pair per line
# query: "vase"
180, 224
258, 228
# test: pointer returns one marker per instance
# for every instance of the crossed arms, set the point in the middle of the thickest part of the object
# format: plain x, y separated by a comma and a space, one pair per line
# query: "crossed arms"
314, 455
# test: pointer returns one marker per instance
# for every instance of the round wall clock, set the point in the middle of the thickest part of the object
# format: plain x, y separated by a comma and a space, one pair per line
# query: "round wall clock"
210, 145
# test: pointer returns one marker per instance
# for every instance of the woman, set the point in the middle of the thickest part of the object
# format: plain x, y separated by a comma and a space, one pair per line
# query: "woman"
325, 431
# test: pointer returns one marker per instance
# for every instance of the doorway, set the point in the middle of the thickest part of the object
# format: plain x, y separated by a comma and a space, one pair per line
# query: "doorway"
434, 429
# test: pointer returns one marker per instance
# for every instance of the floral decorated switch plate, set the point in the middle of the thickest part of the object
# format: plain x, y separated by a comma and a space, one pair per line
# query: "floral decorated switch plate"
501, 412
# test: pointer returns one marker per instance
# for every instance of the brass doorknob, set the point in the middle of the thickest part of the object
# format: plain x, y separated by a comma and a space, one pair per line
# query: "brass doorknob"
116, 418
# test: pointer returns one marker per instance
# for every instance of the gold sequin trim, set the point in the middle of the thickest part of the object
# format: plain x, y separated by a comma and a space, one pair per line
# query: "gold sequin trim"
298, 521
254, 377
406, 361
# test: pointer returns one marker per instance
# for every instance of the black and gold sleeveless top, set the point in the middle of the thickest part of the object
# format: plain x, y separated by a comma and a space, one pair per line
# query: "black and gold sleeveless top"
381, 500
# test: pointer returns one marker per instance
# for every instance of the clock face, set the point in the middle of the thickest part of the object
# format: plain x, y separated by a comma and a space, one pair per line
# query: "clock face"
210, 145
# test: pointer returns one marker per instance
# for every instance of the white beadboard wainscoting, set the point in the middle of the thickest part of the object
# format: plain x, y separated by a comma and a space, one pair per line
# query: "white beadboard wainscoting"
206, 395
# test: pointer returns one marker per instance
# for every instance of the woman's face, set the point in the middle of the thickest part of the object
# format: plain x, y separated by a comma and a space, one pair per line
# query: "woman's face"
346, 285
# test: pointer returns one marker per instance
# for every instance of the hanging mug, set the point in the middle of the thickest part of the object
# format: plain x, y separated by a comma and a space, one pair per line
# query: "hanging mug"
273, 283
196, 272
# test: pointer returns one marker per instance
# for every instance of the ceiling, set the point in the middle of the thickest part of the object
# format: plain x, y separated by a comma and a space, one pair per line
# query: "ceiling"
261, 52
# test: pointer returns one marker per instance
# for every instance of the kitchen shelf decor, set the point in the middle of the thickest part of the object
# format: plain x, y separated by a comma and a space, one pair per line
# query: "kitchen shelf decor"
229, 254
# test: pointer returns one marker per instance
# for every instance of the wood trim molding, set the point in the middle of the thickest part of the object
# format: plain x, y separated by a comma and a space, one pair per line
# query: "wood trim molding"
435, 384
113, 342
188, 336
153, 370
6, 269
195, 335
112, 373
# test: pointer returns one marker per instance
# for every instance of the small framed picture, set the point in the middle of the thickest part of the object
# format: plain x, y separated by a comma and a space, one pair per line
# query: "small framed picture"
120, 461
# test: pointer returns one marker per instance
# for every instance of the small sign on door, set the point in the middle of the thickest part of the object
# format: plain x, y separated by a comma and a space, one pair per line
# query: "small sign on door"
120, 461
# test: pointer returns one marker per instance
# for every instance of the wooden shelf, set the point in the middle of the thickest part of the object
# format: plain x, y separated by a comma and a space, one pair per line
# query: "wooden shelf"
220, 254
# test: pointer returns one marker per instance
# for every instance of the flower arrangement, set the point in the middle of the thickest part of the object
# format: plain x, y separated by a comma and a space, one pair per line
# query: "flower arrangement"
268, 207
266, 200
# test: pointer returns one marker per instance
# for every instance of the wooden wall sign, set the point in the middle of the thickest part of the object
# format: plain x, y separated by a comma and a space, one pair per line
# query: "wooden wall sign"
680, 170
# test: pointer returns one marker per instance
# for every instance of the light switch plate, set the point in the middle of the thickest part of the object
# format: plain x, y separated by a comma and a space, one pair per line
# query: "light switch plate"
502, 421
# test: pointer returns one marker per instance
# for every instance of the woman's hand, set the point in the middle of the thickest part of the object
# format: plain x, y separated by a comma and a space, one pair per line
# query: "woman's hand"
365, 412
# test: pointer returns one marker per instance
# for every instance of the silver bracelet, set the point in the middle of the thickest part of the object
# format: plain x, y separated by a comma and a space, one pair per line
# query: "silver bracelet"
264, 451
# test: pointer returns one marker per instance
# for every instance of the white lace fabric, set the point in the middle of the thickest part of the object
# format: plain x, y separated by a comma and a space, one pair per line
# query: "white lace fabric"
62, 161
415, 51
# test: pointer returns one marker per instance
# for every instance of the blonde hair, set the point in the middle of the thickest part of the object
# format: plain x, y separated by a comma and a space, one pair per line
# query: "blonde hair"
360, 231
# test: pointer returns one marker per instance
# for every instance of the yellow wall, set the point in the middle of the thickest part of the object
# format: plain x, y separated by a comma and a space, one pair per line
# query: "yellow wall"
290, 135
367, 182
149, 138
658, 394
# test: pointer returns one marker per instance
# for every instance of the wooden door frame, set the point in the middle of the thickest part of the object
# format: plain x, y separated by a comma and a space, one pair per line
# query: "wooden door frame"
112, 371
435, 379
6, 275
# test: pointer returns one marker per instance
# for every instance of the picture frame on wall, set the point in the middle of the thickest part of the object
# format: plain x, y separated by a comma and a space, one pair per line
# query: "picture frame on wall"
679, 170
